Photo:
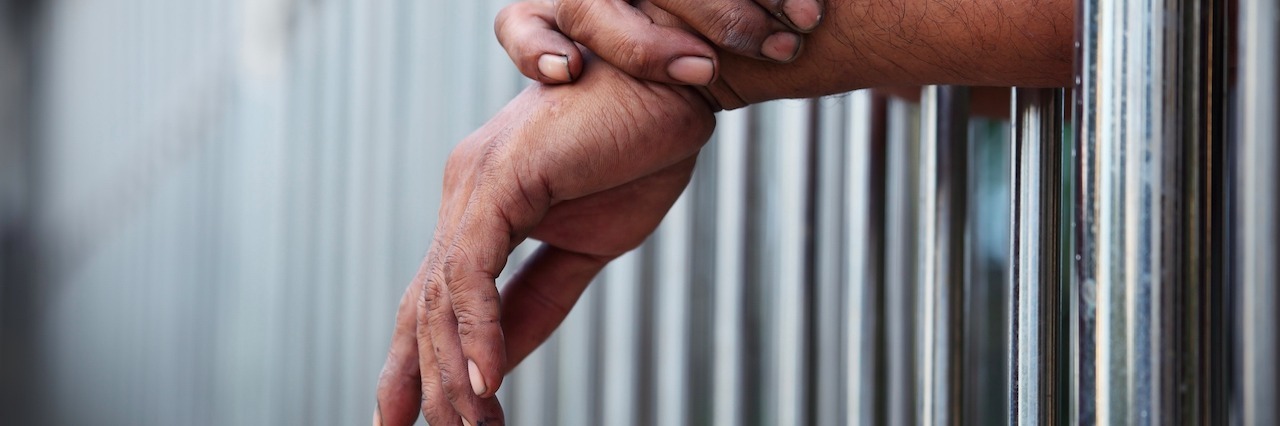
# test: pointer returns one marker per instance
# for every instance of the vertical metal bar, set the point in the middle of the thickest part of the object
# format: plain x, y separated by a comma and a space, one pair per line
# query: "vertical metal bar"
900, 263
794, 140
864, 239
21, 329
731, 228
578, 394
943, 224
827, 319
1259, 164
621, 339
672, 310
1149, 81
1035, 280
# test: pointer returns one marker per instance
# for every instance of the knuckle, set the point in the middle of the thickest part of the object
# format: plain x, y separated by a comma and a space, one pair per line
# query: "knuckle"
574, 18
453, 389
738, 29
500, 21
638, 57
567, 13
471, 322
435, 294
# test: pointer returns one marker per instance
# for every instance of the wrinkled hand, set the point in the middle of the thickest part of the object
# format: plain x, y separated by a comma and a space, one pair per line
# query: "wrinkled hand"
539, 36
588, 169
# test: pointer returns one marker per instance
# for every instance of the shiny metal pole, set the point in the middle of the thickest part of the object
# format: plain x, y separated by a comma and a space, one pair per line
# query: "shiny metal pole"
1148, 89
900, 261
731, 161
1036, 285
864, 163
944, 178
1259, 161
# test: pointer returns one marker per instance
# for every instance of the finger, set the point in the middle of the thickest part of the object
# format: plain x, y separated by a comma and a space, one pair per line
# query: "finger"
447, 396
741, 27
435, 406
626, 38
482, 241
399, 384
527, 31
802, 15
540, 296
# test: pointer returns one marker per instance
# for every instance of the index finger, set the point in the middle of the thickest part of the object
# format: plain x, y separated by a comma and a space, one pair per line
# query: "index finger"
463, 309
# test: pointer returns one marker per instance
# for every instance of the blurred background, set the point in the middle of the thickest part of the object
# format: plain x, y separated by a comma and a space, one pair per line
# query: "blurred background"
209, 210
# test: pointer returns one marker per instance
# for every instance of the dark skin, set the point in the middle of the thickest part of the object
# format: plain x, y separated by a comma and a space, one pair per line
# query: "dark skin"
590, 168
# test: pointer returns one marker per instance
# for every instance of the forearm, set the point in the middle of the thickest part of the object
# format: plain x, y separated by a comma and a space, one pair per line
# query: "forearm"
873, 43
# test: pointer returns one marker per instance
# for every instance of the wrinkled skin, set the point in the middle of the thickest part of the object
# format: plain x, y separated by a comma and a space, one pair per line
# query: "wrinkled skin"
589, 170
623, 34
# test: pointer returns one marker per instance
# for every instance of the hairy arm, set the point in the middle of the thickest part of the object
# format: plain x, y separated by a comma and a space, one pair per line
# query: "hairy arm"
590, 168
877, 43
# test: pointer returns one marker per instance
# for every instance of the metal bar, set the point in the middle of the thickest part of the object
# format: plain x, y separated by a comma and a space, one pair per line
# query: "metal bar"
900, 262
1036, 181
578, 394
828, 261
794, 142
943, 223
731, 228
1148, 75
621, 355
1259, 162
672, 309
863, 243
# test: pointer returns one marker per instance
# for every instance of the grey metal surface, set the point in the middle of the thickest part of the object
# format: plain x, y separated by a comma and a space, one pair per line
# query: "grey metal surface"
1035, 369
234, 194
1259, 163
864, 235
943, 247
900, 306
1149, 267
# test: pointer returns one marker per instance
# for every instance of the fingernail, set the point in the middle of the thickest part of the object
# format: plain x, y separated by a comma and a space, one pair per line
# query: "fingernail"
477, 381
554, 67
377, 416
692, 70
804, 13
466, 422
781, 46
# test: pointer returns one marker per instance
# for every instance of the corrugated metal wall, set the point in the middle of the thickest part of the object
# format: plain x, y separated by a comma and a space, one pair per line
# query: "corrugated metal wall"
233, 194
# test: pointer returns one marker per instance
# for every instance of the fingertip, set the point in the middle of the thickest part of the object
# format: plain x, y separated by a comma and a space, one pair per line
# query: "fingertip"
555, 68
782, 47
693, 70
803, 14
478, 385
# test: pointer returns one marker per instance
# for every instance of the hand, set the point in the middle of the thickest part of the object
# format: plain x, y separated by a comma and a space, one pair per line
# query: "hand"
860, 44
588, 169
543, 35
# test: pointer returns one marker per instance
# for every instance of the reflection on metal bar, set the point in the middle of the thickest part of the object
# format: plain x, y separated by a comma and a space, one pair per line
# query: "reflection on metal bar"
828, 261
900, 262
943, 219
1036, 181
671, 333
1149, 85
621, 355
863, 164
793, 143
731, 228
1259, 200
578, 361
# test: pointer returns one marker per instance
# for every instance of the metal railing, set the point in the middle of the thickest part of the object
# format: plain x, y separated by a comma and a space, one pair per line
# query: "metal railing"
233, 194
